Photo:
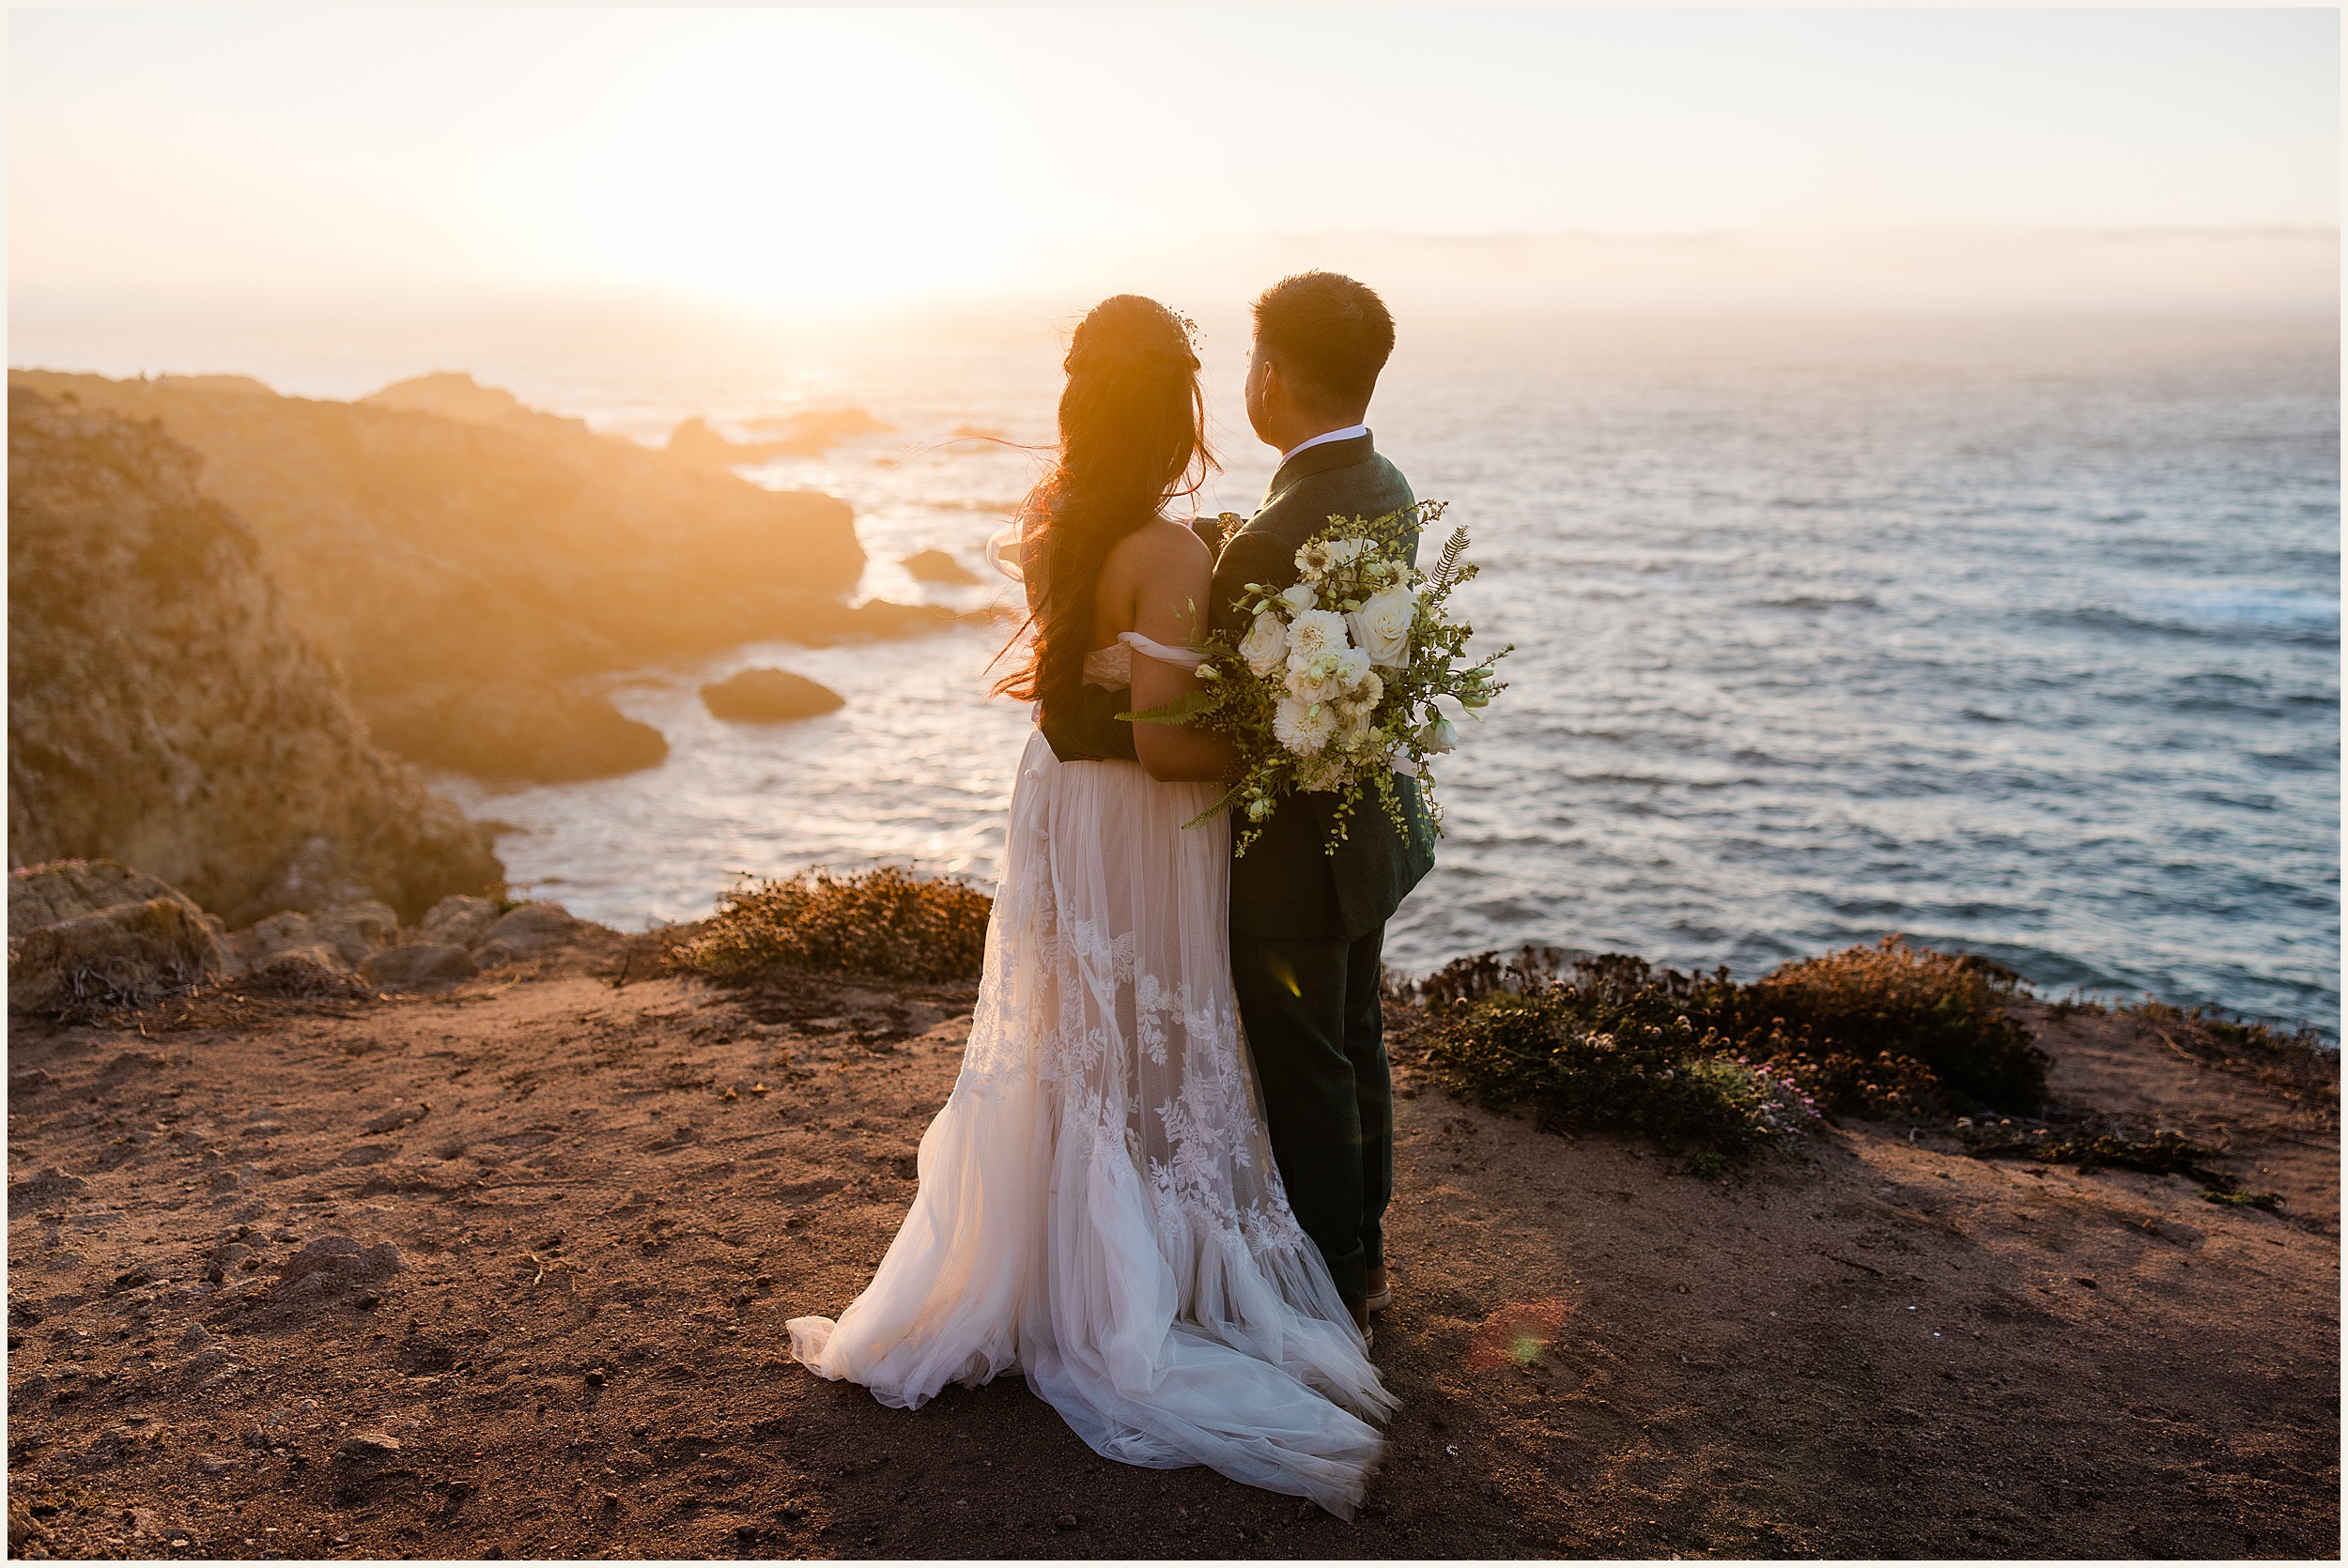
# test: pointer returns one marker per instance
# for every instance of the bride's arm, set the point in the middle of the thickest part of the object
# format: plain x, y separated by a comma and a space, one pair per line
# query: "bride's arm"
1173, 576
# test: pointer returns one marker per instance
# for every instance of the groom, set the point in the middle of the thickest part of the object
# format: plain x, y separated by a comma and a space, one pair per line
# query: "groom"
1306, 926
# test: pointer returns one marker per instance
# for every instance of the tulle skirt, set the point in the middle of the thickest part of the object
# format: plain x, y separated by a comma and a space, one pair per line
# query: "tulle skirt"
1097, 1206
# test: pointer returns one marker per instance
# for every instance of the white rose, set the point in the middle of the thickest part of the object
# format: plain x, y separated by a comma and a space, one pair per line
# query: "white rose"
1313, 632
1383, 627
1438, 736
1299, 596
1265, 645
1304, 728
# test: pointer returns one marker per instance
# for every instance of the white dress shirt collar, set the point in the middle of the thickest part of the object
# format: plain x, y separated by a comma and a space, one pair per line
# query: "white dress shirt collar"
1345, 435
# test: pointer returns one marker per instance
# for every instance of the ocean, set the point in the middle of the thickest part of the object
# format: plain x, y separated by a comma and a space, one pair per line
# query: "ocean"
2020, 638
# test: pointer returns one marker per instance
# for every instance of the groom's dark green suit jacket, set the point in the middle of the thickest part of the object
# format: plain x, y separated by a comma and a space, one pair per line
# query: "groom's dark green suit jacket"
1287, 884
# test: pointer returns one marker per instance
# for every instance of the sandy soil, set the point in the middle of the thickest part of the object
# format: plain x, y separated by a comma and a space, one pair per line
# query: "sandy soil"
601, 1202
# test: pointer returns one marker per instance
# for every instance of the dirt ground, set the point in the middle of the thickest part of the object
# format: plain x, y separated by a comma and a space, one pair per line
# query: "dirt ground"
602, 1201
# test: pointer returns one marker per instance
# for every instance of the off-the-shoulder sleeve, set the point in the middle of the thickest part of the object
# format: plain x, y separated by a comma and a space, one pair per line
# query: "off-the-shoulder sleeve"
1003, 551
1165, 653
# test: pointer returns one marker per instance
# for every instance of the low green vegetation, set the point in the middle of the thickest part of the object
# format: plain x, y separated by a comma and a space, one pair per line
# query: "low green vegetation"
883, 923
1613, 1043
2164, 1153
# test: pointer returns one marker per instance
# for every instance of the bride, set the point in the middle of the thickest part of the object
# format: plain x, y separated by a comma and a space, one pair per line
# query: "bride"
1098, 1204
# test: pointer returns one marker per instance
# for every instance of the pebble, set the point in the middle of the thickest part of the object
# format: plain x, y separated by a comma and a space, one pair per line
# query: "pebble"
368, 1445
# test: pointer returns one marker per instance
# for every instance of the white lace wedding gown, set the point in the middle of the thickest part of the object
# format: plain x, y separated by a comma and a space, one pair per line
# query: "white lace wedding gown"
1098, 1204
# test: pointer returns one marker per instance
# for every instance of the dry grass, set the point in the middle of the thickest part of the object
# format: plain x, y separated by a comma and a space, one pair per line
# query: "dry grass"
885, 924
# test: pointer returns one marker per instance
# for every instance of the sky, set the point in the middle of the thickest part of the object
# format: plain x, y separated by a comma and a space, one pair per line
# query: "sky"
805, 160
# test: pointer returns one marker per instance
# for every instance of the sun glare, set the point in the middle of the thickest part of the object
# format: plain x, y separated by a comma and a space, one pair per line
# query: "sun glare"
793, 187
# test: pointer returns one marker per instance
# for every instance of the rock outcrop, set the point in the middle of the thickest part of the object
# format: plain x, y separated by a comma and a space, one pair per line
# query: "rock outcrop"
765, 696
345, 936
416, 546
938, 567
440, 533
67, 889
165, 712
98, 932
694, 442
533, 730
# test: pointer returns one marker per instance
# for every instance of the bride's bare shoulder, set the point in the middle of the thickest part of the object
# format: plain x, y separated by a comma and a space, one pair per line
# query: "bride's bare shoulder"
1157, 545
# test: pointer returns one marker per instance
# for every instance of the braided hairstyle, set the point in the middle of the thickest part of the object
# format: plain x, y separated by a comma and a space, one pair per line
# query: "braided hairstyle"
1132, 436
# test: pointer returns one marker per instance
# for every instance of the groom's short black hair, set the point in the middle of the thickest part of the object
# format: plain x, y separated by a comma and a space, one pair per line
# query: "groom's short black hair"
1330, 336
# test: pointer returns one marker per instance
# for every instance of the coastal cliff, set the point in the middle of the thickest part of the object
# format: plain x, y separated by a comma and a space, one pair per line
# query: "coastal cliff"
166, 712
449, 547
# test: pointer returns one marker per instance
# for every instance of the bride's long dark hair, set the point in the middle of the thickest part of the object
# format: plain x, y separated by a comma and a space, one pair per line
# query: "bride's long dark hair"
1133, 435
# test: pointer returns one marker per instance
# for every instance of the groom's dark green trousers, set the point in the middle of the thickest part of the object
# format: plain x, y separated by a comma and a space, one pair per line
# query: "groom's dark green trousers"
1307, 927
1312, 1016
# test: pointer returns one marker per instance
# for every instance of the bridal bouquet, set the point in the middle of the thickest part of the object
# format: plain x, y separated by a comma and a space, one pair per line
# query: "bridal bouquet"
1334, 684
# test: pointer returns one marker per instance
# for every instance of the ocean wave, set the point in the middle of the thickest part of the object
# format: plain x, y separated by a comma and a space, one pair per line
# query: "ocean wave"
2220, 622
1823, 602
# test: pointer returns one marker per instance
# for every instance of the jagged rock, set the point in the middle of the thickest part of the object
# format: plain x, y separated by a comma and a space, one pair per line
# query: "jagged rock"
332, 1264
314, 970
694, 441
527, 928
350, 931
420, 963
455, 394
938, 567
128, 954
367, 1447
459, 920
64, 889
765, 696
163, 709
530, 730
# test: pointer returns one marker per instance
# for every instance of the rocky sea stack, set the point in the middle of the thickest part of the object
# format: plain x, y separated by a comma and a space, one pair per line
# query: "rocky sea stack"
166, 709
768, 696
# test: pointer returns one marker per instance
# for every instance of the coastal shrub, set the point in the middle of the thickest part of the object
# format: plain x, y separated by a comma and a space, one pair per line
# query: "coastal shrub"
1887, 1031
885, 924
1585, 1056
1947, 1011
